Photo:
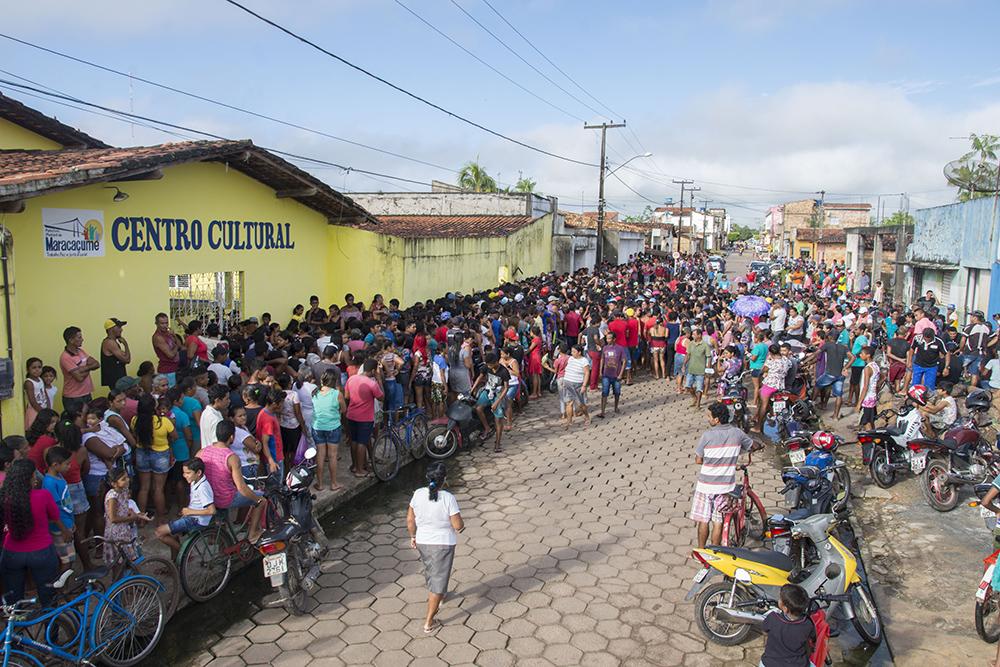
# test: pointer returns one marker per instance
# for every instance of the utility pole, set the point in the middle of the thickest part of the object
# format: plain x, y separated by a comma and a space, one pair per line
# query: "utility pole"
603, 127
692, 190
704, 230
680, 213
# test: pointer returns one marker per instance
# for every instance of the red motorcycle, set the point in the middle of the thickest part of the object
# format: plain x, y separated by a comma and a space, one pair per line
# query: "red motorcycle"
987, 599
962, 457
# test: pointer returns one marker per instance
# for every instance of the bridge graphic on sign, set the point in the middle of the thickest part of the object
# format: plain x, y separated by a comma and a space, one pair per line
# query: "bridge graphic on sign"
89, 231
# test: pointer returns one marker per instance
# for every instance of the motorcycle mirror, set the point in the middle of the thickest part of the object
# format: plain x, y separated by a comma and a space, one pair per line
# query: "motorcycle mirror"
742, 576
311, 453
832, 571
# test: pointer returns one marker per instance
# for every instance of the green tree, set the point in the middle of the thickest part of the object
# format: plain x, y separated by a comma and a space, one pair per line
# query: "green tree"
645, 216
473, 177
525, 184
741, 233
898, 218
985, 148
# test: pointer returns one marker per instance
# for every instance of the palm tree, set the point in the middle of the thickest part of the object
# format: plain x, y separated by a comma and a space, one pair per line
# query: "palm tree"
474, 177
525, 185
984, 150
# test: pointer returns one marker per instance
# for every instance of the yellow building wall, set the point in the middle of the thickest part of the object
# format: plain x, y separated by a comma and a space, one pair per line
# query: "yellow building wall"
436, 266
50, 293
15, 137
364, 263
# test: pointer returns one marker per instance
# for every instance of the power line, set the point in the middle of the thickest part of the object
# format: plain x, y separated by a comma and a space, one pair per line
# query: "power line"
486, 64
521, 58
406, 92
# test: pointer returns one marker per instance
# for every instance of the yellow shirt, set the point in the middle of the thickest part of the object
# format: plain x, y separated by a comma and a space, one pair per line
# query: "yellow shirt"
162, 428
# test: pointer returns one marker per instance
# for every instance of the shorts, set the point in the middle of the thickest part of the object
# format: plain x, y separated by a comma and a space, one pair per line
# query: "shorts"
327, 437
64, 549
360, 432
856, 375
867, 416
897, 370
756, 372
438, 393
421, 380
484, 399
679, 362
512, 392
836, 382
611, 384
146, 460
185, 524
766, 391
239, 500
249, 471
78, 497
696, 382
76, 403
92, 485
707, 508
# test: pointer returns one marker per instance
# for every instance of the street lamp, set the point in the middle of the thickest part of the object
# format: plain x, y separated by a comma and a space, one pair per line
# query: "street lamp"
600, 201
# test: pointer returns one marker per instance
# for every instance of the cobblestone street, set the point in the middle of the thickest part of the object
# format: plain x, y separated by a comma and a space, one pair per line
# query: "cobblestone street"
575, 553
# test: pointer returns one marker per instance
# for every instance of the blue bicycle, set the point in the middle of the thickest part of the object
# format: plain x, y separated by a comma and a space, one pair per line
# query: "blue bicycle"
406, 431
119, 627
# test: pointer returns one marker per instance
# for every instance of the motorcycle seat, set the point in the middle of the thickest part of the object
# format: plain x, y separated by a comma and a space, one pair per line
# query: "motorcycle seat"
737, 492
894, 430
764, 557
950, 443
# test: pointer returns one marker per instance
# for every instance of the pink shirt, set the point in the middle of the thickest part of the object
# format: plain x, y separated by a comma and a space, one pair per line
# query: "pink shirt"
923, 323
363, 391
43, 510
73, 388
219, 476
560, 365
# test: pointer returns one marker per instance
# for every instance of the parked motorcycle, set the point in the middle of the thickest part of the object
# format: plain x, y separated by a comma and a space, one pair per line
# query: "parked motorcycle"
886, 451
735, 398
726, 610
962, 457
819, 450
987, 599
463, 429
293, 550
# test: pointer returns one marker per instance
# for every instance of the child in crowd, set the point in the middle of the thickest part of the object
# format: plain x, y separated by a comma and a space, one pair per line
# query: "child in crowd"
439, 380
35, 397
790, 632
49, 380
57, 460
120, 519
196, 514
245, 444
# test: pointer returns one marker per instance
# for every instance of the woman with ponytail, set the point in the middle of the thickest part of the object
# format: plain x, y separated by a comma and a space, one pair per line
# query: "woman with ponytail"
434, 522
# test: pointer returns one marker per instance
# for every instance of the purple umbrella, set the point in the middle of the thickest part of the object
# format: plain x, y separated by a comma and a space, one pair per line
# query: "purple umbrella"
750, 306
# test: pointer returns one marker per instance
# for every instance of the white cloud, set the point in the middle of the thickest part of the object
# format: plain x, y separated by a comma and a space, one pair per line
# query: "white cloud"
988, 81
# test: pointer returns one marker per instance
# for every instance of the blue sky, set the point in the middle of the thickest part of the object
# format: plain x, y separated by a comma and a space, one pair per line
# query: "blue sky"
760, 102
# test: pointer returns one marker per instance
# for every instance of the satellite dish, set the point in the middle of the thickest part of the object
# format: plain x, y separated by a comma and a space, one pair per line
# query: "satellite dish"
974, 175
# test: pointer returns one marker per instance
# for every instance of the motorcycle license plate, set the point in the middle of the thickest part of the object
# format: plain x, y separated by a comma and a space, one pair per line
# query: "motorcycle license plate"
275, 564
779, 406
700, 577
917, 463
986, 513
797, 456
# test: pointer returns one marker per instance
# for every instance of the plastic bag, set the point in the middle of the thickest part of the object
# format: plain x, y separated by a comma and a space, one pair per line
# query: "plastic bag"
300, 451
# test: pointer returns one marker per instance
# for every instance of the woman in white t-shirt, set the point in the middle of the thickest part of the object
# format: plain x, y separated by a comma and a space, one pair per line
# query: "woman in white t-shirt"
434, 522
574, 390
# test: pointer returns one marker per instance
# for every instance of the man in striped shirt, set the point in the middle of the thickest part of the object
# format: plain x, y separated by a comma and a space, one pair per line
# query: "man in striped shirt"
718, 453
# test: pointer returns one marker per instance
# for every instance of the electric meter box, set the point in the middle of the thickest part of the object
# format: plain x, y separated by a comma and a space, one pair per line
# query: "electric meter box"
6, 379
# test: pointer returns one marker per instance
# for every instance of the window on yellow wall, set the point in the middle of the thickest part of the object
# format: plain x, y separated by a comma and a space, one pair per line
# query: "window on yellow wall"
213, 298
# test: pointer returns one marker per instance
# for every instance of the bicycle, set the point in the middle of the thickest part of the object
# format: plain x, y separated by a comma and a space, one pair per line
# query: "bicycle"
746, 517
205, 559
403, 434
121, 626
161, 569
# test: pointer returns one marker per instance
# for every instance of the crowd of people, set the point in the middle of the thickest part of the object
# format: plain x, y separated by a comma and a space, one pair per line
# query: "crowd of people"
178, 438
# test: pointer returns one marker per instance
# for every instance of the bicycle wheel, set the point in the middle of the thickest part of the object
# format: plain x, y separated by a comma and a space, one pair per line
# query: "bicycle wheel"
418, 436
165, 572
384, 457
204, 567
19, 659
129, 622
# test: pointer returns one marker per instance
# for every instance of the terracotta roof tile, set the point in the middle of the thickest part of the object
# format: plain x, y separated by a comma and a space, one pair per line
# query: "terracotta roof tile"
30, 173
588, 220
449, 226
46, 126
820, 235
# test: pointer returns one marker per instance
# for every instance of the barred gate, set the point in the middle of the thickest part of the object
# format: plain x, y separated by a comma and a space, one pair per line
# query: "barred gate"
209, 297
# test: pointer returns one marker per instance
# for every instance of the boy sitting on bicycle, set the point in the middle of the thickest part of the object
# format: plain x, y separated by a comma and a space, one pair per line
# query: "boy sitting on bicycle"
197, 514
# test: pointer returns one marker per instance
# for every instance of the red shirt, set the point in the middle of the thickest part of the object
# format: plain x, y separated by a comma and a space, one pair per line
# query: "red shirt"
363, 391
631, 332
618, 327
37, 452
269, 433
573, 320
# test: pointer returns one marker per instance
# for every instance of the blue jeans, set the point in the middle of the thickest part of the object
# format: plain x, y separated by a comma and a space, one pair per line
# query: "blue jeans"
970, 361
44, 567
393, 395
611, 384
925, 375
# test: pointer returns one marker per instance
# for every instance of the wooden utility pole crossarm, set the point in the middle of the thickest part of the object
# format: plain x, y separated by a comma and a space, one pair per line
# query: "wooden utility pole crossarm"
603, 127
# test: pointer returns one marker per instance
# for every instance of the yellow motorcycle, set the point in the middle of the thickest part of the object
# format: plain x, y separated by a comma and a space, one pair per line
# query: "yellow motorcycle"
726, 610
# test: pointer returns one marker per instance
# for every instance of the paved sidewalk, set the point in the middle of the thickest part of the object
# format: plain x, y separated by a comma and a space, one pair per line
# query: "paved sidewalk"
576, 553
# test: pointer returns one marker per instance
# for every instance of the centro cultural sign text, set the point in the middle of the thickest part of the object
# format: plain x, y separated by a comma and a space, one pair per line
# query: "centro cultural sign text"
142, 234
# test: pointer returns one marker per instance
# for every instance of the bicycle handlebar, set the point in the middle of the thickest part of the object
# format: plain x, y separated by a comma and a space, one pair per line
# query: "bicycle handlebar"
10, 609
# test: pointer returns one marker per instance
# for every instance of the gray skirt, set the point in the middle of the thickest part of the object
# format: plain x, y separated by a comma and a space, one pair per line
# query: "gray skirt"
571, 394
437, 560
